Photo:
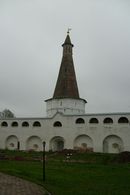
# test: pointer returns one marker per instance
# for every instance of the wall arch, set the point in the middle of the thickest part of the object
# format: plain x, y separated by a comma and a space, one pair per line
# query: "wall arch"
34, 143
57, 143
83, 142
11, 142
112, 144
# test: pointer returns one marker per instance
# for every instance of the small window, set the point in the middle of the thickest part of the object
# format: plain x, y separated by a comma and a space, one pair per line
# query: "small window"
93, 120
80, 120
57, 124
123, 120
25, 124
36, 124
14, 124
108, 120
4, 124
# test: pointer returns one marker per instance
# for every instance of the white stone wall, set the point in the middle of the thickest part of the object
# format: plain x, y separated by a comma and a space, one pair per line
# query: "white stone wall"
66, 106
67, 132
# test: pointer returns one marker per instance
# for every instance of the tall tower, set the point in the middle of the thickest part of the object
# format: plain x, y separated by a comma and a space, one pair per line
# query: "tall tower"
66, 95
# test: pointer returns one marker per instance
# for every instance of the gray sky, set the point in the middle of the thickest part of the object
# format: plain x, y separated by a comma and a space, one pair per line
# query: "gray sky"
31, 34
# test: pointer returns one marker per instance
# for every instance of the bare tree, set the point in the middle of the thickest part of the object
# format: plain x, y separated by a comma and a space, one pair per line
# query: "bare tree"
6, 113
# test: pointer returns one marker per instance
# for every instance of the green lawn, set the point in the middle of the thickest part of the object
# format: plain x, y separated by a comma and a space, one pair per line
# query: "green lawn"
75, 178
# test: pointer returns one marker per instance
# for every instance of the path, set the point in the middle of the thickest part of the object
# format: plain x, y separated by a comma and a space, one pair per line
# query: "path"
11, 185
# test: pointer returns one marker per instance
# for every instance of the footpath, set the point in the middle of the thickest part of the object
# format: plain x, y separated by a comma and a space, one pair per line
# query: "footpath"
11, 185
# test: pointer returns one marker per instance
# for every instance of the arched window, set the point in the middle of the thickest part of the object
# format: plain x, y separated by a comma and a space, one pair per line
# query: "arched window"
123, 120
14, 124
80, 120
93, 120
57, 124
4, 124
25, 124
36, 124
108, 120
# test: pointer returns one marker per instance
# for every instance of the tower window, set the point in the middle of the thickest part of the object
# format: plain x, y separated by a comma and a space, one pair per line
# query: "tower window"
65, 70
80, 120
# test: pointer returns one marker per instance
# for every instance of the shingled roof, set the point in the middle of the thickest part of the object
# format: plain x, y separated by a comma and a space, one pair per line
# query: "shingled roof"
67, 41
66, 86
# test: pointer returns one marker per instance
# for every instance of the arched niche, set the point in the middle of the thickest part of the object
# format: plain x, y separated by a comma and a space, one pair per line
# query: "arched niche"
83, 142
57, 143
34, 143
112, 144
11, 142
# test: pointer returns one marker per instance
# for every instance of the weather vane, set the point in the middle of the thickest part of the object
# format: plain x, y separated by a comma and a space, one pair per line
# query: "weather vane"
69, 29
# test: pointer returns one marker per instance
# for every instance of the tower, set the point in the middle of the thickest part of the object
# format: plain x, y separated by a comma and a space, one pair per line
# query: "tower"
66, 95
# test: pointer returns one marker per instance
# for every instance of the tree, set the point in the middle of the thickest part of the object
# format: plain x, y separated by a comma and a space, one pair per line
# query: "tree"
6, 113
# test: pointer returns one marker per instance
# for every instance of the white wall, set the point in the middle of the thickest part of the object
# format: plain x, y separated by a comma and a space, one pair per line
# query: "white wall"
97, 136
66, 106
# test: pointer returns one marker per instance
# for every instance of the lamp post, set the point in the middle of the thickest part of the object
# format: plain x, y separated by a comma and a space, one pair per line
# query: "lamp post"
44, 144
18, 145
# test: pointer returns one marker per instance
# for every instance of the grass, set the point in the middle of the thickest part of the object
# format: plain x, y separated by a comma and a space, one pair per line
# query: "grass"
96, 177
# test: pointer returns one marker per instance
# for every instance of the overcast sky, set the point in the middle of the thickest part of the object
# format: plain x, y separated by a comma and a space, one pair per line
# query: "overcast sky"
31, 35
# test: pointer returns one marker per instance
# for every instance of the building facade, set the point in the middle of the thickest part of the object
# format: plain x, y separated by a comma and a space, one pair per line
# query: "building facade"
66, 125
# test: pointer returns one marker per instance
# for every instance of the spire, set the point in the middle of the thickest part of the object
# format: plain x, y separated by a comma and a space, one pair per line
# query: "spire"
66, 86
67, 40
66, 98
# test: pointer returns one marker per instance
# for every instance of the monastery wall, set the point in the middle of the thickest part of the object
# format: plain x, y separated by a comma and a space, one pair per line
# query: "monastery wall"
109, 133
